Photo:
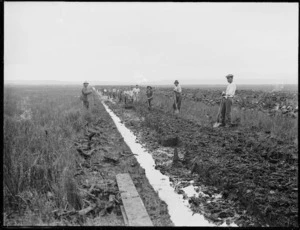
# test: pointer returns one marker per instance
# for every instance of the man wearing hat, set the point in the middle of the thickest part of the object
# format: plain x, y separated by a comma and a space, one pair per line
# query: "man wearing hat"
225, 108
85, 92
177, 97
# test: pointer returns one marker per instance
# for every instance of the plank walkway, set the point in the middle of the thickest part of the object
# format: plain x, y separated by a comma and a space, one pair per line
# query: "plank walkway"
135, 210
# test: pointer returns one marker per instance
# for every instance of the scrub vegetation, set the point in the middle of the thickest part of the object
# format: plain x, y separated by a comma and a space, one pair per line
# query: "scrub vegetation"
60, 162
40, 124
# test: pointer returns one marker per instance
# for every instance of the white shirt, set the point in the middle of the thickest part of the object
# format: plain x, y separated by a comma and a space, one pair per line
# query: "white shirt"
130, 93
177, 89
136, 90
230, 90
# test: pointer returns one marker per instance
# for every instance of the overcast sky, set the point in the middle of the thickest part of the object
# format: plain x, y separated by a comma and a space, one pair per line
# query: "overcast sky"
142, 42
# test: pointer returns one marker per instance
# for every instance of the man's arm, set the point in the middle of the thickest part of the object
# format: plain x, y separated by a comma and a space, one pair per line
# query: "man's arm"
179, 89
86, 91
150, 95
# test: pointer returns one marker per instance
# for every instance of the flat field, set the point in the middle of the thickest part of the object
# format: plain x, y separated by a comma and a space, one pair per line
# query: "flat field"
56, 157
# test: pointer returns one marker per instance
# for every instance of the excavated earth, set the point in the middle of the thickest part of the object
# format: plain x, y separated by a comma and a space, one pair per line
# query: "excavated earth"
104, 154
255, 173
271, 103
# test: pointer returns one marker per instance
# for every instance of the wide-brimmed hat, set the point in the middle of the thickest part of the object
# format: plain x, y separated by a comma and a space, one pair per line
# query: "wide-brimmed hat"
229, 76
85, 82
149, 87
176, 82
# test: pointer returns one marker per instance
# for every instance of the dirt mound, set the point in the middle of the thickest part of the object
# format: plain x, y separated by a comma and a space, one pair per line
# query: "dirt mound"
278, 102
168, 141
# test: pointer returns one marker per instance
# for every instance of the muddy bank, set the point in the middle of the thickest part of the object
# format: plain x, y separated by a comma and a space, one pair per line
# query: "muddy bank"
178, 206
104, 154
255, 172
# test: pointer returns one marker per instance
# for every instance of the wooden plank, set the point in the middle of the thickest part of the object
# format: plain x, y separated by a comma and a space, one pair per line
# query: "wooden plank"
136, 212
126, 186
134, 207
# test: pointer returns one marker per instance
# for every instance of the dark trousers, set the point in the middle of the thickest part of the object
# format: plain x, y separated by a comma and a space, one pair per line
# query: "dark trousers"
86, 104
128, 99
178, 101
224, 115
149, 103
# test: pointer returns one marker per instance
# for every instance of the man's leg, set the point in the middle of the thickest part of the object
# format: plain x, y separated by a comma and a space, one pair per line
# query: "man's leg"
228, 111
178, 102
223, 110
219, 114
86, 104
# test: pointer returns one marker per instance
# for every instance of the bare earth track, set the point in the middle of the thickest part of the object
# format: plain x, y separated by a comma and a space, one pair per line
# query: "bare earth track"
96, 175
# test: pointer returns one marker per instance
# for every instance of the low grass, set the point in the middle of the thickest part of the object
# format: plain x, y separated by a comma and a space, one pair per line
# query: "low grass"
39, 158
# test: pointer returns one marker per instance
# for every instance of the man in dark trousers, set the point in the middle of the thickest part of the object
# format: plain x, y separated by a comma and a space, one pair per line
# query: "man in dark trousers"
149, 94
224, 116
85, 92
177, 97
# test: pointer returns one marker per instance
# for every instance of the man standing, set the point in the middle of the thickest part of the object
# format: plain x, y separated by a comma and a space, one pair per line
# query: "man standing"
136, 92
109, 93
130, 94
85, 92
120, 95
226, 103
177, 97
114, 91
149, 94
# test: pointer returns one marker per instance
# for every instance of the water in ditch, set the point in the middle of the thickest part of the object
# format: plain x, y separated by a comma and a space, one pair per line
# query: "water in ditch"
179, 210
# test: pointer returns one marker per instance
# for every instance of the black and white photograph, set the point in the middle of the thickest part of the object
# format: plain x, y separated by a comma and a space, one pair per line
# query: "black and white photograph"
150, 114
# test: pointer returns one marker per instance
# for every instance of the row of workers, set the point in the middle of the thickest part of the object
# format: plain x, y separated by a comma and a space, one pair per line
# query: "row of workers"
132, 95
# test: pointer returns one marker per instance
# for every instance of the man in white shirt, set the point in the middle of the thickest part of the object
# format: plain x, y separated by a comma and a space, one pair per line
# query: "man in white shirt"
225, 108
129, 95
177, 97
136, 92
